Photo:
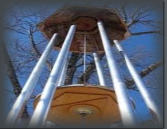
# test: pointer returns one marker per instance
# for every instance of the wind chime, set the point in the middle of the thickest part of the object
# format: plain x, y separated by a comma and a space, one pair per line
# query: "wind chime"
85, 30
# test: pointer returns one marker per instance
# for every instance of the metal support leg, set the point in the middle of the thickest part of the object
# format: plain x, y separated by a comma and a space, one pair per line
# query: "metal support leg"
30, 84
63, 73
138, 81
43, 105
99, 70
125, 107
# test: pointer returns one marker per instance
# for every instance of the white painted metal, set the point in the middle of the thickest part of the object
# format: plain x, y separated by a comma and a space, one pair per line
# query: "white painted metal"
30, 84
99, 70
42, 108
138, 81
63, 74
125, 107
84, 59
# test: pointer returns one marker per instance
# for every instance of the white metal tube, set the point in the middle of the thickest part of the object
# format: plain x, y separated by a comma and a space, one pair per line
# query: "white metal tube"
63, 73
30, 83
138, 81
99, 70
43, 105
84, 60
125, 107
84, 53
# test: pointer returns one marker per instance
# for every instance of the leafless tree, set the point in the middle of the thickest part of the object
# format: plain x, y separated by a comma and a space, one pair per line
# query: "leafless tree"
28, 43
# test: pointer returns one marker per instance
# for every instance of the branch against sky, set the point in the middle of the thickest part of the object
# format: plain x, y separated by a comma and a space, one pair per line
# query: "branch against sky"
139, 16
145, 32
16, 85
130, 82
29, 44
35, 49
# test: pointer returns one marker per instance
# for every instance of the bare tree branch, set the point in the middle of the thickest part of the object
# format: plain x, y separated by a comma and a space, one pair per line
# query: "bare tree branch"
125, 16
15, 83
143, 73
72, 68
38, 54
89, 70
146, 32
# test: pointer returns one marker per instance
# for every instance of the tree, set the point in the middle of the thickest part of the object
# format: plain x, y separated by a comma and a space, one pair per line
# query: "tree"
28, 44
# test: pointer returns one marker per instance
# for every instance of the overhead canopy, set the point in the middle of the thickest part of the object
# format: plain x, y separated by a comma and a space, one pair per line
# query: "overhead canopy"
86, 20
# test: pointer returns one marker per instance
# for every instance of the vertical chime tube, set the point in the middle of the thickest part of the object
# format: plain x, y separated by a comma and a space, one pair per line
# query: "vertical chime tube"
44, 103
84, 67
125, 107
30, 83
138, 81
63, 73
99, 70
